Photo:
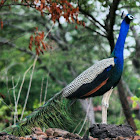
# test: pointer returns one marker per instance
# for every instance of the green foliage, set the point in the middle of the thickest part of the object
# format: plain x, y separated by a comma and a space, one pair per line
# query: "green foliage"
7, 114
135, 100
138, 126
54, 113
73, 51
4, 115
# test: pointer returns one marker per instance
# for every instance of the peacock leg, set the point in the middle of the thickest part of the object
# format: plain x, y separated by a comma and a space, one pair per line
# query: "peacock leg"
105, 105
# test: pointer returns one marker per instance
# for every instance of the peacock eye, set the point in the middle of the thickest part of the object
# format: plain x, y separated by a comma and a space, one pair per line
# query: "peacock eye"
130, 17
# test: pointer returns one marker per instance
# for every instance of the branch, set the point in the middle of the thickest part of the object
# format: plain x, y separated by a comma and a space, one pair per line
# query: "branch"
87, 113
88, 14
112, 13
110, 21
41, 91
125, 105
95, 31
15, 4
21, 86
2, 5
96, 25
136, 60
22, 4
46, 89
127, 88
30, 83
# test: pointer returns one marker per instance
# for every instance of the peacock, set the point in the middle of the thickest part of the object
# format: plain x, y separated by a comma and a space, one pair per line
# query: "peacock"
99, 79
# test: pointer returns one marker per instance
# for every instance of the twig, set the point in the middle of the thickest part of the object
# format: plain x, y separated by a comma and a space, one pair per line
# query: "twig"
15, 113
15, 85
127, 88
16, 4
2, 5
48, 32
85, 116
23, 83
6, 104
89, 28
13, 88
46, 90
86, 128
129, 91
94, 23
30, 83
7, 86
41, 90
24, 4
77, 126
92, 17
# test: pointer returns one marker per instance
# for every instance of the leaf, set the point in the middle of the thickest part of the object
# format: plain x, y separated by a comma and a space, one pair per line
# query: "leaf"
138, 132
1, 24
134, 104
134, 98
43, 44
2, 2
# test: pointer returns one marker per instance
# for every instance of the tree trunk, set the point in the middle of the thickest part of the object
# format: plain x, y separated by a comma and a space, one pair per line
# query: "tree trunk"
85, 103
110, 21
125, 105
136, 60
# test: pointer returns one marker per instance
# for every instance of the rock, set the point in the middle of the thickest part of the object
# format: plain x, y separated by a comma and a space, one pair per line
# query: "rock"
3, 133
59, 132
51, 137
42, 137
102, 131
91, 138
98, 132
38, 131
61, 138
34, 137
49, 132
71, 136
85, 138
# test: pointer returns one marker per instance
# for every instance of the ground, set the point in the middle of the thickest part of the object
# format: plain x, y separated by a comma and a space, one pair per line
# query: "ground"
97, 132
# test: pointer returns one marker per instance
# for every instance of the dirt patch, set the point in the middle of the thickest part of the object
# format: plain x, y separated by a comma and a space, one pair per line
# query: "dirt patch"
103, 131
98, 132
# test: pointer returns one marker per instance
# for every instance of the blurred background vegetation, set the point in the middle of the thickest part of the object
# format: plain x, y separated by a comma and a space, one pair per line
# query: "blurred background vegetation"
72, 49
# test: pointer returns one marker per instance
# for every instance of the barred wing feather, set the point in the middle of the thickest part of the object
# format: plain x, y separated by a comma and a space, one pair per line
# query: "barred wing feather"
87, 76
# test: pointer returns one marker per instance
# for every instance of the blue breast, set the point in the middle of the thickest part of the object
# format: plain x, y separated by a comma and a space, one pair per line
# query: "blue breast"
111, 75
118, 54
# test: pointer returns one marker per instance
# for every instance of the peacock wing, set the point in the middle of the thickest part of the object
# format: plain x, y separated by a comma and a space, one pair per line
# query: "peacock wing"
96, 76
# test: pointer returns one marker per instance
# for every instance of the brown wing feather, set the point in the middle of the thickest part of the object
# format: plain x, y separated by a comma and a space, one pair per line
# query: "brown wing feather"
95, 89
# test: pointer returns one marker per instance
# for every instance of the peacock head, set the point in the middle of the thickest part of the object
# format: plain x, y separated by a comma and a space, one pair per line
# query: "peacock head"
128, 18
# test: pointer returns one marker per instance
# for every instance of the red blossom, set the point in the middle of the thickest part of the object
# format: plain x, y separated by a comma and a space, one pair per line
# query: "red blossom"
56, 9
38, 40
2, 2
1, 23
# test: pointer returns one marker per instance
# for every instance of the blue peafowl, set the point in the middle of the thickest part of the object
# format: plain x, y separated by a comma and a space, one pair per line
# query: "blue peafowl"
99, 79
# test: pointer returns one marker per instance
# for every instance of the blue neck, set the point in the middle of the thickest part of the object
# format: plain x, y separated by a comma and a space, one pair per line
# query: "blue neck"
119, 47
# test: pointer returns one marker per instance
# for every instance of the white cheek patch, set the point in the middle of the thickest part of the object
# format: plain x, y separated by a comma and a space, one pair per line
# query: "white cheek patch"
130, 17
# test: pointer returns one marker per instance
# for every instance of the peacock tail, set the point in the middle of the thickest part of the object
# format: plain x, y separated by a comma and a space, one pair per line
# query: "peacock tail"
54, 113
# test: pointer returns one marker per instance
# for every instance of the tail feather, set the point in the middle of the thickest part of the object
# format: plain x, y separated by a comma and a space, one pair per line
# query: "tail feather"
52, 114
